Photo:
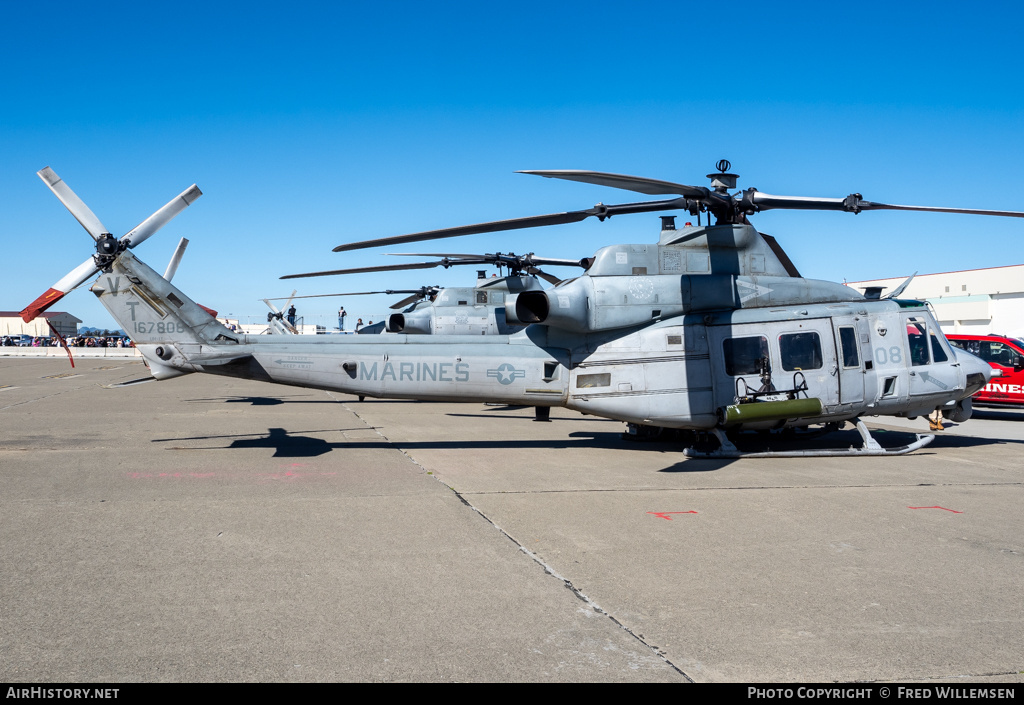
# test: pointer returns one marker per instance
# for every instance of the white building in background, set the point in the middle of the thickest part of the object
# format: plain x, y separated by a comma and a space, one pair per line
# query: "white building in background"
65, 323
264, 328
969, 301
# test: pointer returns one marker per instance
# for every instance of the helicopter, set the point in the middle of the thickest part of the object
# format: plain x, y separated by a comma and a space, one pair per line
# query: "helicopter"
709, 330
477, 310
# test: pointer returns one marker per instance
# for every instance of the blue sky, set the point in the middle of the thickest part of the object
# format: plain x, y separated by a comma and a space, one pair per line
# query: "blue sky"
308, 125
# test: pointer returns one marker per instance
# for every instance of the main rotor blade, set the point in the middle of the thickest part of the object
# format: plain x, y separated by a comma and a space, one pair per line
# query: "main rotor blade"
363, 270
142, 232
535, 221
73, 203
854, 204
64, 286
870, 206
601, 211
652, 187
504, 258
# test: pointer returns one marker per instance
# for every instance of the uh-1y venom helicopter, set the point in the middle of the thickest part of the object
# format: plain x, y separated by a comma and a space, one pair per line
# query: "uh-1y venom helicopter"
477, 310
708, 330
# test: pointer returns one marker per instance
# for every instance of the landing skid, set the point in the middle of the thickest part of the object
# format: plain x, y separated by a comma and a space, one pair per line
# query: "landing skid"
726, 448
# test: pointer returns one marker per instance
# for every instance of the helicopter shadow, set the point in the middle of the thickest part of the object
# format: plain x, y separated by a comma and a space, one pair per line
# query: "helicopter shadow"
299, 444
285, 444
952, 441
260, 401
995, 414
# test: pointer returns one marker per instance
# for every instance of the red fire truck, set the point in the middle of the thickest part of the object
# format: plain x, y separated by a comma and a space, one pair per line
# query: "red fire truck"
1006, 356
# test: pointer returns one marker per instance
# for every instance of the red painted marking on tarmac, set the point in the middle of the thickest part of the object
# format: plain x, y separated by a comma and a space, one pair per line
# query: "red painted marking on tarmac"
937, 507
288, 475
665, 515
159, 475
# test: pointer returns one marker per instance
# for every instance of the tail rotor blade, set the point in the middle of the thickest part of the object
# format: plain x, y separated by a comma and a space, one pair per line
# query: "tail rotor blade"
73, 203
68, 283
142, 232
179, 252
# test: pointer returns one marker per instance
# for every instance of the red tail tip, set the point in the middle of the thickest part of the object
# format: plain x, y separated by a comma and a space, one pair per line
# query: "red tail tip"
44, 302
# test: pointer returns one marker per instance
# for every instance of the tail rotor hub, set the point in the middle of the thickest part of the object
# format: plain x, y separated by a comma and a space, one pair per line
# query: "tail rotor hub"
107, 249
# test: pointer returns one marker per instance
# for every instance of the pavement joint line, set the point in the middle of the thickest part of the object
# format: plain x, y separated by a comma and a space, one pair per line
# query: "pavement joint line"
754, 489
85, 383
533, 556
45, 396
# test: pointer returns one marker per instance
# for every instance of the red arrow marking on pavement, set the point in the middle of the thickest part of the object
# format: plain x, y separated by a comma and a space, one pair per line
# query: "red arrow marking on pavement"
937, 507
665, 515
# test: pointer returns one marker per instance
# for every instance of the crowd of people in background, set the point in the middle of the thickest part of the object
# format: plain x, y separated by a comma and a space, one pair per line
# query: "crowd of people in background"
78, 341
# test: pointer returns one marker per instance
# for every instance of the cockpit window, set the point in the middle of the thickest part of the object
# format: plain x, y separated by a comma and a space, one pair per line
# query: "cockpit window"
848, 341
922, 339
938, 352
917, 341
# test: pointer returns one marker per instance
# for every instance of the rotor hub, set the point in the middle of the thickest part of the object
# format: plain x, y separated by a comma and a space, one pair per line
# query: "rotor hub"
107, 249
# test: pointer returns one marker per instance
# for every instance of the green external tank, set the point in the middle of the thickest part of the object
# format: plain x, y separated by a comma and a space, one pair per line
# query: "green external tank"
769, 411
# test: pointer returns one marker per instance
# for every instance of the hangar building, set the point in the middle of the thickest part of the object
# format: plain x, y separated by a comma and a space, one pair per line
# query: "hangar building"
977, 301
65, 323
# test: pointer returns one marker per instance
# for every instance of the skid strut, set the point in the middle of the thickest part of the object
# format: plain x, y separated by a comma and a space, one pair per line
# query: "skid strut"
870, 447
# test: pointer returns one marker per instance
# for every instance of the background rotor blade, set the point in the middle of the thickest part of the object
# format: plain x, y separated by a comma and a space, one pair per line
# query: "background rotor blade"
363, 270
142, 232
408, 300
652, 187
73, 203
319, 296
555, 262
899, 290
549, 278
431, 254
64, 286
353, 293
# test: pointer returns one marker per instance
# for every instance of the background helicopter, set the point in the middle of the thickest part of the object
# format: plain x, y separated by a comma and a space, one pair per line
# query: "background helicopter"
707, 331
477, 310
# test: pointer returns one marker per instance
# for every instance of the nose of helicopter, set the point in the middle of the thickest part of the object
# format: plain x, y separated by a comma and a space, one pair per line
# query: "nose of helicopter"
977, 372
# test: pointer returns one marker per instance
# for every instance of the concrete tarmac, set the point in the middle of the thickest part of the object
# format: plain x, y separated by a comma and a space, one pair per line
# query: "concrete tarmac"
209, 529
